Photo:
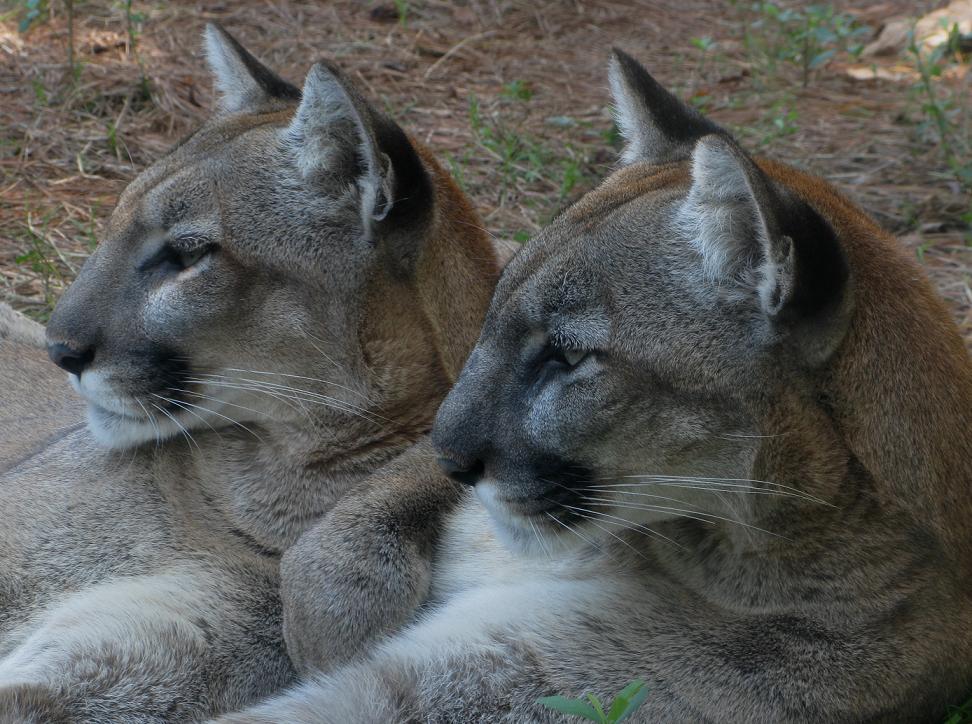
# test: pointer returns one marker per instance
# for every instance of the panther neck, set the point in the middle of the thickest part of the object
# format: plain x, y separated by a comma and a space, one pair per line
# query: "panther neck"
272, 485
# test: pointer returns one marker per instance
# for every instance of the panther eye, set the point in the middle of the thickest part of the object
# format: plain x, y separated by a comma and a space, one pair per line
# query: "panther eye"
172, 259
567, 357
574, 357
192, 257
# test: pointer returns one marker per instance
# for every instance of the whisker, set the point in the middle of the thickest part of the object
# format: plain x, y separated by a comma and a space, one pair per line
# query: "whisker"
151, 419
708, 488
683, 513
713, 484
483, 229
250, 388
185, 432
628, 524
644, 495
302, 395
706, 479
575, 532
321, 352
536, 533
183, 407
216, 399
614, 535
302, 377
731, 435
213, 412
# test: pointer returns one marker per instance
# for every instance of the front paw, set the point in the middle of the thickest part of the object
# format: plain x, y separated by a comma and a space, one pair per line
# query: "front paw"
343, 587
31, 704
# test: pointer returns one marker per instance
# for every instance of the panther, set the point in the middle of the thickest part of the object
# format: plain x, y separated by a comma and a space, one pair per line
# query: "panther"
717, 425
276, 311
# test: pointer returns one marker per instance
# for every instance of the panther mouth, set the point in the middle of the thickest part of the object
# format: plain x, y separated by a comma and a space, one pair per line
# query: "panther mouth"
120, 420
104, 401
554, 508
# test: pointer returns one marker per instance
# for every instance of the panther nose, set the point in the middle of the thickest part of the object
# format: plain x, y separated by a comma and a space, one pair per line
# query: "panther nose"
70, 359
469, 474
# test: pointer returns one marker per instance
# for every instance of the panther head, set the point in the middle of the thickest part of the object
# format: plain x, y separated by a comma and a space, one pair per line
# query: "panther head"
641, 350
297, 251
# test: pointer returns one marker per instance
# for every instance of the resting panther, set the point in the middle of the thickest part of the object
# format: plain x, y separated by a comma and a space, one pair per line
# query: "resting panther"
277, 309
717, 423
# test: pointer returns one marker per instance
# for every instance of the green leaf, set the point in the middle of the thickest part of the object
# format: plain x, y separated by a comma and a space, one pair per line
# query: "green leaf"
822, 58
635, 702
635, 694
598, 707
574, 707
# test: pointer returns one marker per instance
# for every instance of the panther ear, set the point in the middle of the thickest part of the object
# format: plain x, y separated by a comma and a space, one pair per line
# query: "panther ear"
244, 83
754, 233
657, 127
340, 139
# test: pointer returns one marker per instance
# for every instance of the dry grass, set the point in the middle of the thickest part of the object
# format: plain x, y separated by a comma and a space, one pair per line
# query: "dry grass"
511, 94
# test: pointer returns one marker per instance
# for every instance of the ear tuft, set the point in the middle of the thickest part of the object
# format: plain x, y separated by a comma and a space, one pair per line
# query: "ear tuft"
334, 132
245, 85
657, 127
757, 236
720, 215
339, 140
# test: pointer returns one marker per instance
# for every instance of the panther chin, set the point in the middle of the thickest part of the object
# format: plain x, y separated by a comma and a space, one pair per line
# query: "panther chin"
119, 431
119, 421
530, 525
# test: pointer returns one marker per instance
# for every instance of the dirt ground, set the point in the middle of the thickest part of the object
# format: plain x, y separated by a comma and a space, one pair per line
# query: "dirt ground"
512, 94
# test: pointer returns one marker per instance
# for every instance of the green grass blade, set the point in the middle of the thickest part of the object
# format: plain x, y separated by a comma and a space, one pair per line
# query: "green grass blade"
574, 707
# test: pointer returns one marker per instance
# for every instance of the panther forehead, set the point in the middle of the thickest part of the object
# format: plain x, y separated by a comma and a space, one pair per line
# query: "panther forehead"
575, 239
195, 150
638, 182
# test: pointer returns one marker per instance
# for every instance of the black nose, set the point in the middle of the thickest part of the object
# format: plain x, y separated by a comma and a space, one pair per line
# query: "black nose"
70, 359
468, 474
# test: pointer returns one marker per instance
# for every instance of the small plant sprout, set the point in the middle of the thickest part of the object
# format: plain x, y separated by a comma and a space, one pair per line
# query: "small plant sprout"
960, 714
589, 707
31, 13
517, 90
943, 114
704, 45
401, 9
807, 37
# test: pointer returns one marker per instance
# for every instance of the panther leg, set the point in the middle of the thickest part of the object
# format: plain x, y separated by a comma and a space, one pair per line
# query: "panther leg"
363, 571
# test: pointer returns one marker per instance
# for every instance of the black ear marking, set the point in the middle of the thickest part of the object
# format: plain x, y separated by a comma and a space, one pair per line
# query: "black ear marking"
820, 300
270, 82
676, 119
336, 121
821, 270
751, 229
657, 126
245, 82
412, 195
